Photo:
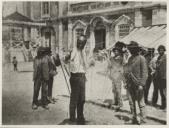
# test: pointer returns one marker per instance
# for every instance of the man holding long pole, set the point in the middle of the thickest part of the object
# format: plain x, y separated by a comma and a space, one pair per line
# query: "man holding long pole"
78, 68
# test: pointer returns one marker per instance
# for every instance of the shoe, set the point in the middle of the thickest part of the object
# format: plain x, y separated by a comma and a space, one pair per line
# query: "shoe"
34, 106
45, 106
117, 108
72, 119
142, 121
51, 101
54, 99
135, 121
81, 121
162, 107
154, 104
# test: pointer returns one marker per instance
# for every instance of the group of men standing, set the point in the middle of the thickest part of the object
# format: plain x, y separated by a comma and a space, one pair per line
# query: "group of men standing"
44, 70
134, 71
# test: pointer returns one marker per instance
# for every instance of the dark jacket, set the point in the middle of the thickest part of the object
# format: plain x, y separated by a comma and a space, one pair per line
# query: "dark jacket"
37, 71
45, 68
161, 67
138, 68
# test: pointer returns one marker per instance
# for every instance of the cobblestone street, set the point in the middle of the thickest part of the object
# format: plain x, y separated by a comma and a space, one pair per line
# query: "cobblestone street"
17, 94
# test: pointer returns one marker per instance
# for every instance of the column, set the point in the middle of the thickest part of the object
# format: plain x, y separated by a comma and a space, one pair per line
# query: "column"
70, 35
116, 33
60, 38
107, 37
56, 40
25, 32
92, 40
112, 35
138, 18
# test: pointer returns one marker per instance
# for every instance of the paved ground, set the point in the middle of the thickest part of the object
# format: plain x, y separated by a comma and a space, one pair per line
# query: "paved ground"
17, 92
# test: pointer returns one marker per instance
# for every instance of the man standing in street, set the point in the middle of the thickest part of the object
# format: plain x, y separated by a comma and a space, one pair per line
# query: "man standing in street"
40, 79
161, 74
149, 56
115, 71
136, 75
52, 73
77, 81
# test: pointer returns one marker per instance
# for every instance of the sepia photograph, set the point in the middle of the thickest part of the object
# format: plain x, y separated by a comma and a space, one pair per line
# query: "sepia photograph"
84, 62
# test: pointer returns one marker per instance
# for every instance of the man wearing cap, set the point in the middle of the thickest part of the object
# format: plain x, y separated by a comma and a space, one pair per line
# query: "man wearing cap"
115, 72
39, 78
161, 74
136, 75
149, 56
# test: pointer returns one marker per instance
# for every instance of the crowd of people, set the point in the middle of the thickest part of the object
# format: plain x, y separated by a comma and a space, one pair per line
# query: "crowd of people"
138, 70
128, 66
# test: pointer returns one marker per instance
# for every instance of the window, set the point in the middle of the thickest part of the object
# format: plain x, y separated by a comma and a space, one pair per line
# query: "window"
100, 5
123, 30
93, 6
65, 25
45, 8
116, 3
107, 4
147, 17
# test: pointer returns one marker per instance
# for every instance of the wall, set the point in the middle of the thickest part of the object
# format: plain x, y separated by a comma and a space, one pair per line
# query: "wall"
159, 16
54, 9
36, 10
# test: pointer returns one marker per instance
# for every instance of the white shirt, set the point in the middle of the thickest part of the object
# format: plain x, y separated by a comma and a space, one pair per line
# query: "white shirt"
78, 61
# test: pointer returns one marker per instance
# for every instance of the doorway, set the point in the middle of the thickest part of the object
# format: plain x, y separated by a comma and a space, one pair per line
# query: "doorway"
48, 39
100, 35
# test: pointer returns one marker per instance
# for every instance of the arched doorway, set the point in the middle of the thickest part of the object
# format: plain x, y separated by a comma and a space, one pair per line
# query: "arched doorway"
47, 34
79, 28
100, 36
99, 33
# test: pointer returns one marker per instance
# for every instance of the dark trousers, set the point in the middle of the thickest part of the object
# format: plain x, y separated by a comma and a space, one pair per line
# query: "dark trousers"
50, 87
134, 96
44, 92
15, 67
37, 85
77, 97
147, 87
162, 88
155, 92
117, 93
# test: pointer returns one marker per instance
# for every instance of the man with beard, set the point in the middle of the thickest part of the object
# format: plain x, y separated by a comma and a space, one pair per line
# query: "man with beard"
161, 74
78, 67
136, 75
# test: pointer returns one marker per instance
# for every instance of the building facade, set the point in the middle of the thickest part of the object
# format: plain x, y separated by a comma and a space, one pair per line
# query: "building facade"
104, 23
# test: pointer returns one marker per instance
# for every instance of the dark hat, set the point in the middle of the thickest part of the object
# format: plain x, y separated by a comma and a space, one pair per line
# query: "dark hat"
48, 50
117, 48
151, 49
133, 44
161, 47
120, 45
41, 49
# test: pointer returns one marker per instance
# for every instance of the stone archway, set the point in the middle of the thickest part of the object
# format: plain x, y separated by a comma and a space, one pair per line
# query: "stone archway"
48, 36
99, 33
78, 28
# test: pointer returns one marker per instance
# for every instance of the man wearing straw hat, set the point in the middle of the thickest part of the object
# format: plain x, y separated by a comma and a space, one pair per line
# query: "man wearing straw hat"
115, 72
